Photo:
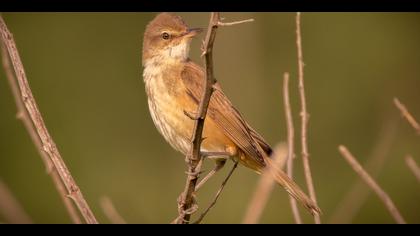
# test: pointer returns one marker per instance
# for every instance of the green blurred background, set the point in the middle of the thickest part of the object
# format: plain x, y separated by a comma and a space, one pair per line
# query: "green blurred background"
85, 72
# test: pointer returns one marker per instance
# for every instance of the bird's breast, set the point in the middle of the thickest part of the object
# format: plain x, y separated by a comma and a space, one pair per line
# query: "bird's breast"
168, 101
166, 107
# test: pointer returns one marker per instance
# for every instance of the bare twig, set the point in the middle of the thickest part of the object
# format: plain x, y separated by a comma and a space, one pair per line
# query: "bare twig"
411, 163
48, 144
264, 187
10, 208
358, 193
304, 119
216, 197
389, 204
290, 143
110, 211
235, 22
26, 120
194, 156
406, 114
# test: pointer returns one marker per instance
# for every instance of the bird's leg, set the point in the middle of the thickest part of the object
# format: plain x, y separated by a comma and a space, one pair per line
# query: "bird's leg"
220, 163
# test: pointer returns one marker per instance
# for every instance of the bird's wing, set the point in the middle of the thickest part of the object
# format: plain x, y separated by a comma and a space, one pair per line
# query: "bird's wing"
224, 114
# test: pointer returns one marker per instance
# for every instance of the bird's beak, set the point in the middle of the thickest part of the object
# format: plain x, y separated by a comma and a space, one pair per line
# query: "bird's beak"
193, 32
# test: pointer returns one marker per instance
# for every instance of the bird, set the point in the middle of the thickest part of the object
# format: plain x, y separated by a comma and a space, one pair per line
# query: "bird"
174, 85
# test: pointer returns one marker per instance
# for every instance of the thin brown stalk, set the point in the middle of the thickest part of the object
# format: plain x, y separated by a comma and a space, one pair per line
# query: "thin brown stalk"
48, 145
234, 22
290, 143
194, 158
389, 204
110, 211
407, 115
22, 115
264, 188
216, 197
358, 193
411, 163
304, 119
10, 208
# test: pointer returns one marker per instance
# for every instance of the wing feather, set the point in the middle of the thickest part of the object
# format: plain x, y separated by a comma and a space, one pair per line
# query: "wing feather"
222, 112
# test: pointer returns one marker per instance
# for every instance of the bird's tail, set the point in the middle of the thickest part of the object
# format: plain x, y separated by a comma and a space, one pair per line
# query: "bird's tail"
291, 187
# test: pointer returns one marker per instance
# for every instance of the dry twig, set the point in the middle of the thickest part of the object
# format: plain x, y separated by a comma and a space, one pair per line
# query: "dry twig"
10, 208
304, 119
22, 115
48, 145
411, 163
234, 23
358, 193
264, 187
406, 114
110, 211
389, 204
217, 194
290, 143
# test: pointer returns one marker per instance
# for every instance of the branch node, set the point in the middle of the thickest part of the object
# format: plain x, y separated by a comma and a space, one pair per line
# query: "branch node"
191, 115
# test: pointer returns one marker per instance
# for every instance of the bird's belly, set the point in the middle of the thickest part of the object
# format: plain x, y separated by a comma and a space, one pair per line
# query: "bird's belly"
167, 111
174, 126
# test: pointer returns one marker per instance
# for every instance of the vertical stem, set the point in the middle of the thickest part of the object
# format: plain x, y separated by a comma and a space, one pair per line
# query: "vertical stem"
290, 144
304, 119
194, 158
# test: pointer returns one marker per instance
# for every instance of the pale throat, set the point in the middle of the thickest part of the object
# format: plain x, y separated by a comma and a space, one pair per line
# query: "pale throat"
169, 56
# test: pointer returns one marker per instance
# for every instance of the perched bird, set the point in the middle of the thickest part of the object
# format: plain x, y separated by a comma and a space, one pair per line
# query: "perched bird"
174, 85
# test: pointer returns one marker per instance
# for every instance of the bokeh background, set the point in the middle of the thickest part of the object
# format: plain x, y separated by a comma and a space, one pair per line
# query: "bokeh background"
86, 75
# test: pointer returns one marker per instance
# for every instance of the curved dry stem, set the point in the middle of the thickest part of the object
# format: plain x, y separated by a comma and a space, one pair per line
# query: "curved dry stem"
48, 144
389, 204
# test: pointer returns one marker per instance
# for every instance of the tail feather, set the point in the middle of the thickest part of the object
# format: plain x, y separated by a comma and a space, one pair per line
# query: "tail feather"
291, 187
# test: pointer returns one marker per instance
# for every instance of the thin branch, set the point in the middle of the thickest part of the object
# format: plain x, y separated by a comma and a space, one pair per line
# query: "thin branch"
110, 211
48, 145
217, 195
406, 114
10, 208
264, 187
304, 119
194, 157
290, 143
389, 204
411, 163
22, 115
358, 193
234, 22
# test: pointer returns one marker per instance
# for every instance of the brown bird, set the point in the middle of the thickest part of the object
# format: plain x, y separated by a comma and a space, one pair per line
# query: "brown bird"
174, 85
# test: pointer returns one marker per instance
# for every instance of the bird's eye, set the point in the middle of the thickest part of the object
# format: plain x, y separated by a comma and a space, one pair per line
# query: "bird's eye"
165, 36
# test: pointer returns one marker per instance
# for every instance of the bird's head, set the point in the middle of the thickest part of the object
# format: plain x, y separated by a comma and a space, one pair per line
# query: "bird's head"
167, 37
